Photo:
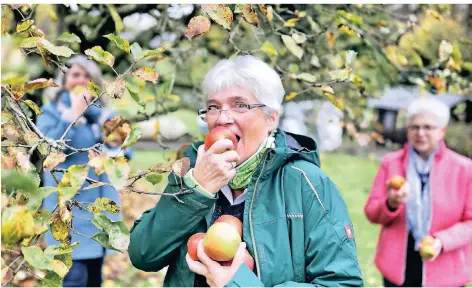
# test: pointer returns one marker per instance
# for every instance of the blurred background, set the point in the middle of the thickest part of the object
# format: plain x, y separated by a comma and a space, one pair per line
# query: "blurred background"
349, 72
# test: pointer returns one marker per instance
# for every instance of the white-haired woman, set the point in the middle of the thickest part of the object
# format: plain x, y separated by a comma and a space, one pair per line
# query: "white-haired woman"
435, 202
64, 108
295, 223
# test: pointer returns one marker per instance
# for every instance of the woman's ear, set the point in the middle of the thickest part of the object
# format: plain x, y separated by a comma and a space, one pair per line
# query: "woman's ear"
273, 120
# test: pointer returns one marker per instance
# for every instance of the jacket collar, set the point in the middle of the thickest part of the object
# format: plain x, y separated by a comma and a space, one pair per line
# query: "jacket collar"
437, 157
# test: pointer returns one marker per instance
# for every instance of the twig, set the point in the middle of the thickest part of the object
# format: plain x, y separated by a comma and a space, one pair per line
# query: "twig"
78, 233
318, 85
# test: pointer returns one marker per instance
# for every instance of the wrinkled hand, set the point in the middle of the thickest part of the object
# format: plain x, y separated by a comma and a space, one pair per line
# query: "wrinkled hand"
215, 274
396, 197
214, 168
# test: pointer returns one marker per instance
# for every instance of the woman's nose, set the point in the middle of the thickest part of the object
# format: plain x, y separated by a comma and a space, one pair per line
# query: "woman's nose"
227, 118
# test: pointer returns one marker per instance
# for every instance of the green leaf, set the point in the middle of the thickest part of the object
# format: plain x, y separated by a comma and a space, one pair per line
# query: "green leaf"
53, 159
71, 181
51, 280
133, 90
133, 136
60, 249
299, 38
69, 38
315, 61
220, 13
94, 89
102, 239
154, 52
137, 51
117, 171
35, 257
36, 199
102, 222
101, 56
307, 77
154, 178
116, 18
24, 25
350, 56
65, 258
33, 107
122, 43
63, 51
104, 204
147, 73
292, 46
314, 26
352, 18
238, 8
269, 49
15, 180
339, 74
119, 236
17, 224
42, 219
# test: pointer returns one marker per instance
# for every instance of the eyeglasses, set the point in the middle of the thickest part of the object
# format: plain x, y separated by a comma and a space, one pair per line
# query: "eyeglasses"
417, 128
213, 111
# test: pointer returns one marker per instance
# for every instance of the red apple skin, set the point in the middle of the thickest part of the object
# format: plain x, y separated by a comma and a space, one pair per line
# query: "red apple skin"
248, 260
219, 133
221, 241
233, 221
192, 245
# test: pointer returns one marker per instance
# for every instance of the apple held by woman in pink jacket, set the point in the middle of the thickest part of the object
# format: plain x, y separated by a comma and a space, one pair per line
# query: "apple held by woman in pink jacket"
426, 224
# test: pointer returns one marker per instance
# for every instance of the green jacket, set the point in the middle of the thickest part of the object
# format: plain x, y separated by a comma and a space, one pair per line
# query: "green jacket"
296, 224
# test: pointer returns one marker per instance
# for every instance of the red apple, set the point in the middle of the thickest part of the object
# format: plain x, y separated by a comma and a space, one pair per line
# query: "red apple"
192, 245
219, 133
221, 241
233, 221
248, 260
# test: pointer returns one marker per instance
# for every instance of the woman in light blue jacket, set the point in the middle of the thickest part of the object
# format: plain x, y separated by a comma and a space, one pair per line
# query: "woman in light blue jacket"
63, 109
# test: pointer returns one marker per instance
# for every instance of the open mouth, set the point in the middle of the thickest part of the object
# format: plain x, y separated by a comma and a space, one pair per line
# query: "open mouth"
238, 138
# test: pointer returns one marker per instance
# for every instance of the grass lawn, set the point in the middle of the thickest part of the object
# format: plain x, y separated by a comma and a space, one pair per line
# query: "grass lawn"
352, 175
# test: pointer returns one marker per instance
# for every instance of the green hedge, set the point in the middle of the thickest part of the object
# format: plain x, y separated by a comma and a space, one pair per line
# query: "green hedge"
459, 138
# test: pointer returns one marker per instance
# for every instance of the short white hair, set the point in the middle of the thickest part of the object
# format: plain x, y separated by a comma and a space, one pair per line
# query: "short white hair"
430, 106
248, 72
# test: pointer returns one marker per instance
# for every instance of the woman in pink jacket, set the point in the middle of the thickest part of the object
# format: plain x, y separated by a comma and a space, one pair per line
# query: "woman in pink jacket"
435, 202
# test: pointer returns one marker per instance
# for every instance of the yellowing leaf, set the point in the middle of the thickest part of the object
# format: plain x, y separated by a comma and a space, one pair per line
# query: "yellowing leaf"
54, 159
327, 89
290, 96
197, 26
307, 77
122, 43
269, 49
292, 46
63, 51
98, 54
435, 14
104, 204
6, 116
34, 107
147, 73
71, 181
331, 38
18, 91
30, 42
291, 22
94, 89
24, 25
132, 137
93, 185
17, 224
333, 100
115, 89
119, 26
37, 32
220, 13
346, 30
339, 74
35, 257
155, 52
10, 132
13, 78
59, 229
250, 15
117, 170
270, 13
40, 83
69, 38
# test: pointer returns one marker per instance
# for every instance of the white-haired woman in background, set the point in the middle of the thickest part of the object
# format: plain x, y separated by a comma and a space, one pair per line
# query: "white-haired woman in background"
295, 223
435, 202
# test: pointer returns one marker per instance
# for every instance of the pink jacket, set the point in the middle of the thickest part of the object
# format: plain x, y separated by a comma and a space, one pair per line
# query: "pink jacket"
451, 193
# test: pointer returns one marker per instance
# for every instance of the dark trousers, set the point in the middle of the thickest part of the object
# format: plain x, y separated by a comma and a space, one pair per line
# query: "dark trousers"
84, 273
414, 267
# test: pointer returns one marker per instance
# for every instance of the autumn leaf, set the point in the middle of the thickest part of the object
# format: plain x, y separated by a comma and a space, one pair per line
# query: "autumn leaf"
291, 22
71, 181
327, 89
98, 54
290, 96
18, 91
154, 52
61, 249
197, 26
97, 162
132, 137
36, 257
94, 89
117, 170
53, 160
6, 116
181, 166
59, 229
69, 38
17, 224
63, 51
292, 46
220, 13
40, 83
115, 89
331, 38
122, 43
269, 49
33, 107
10, 132
32, 138
250, 15
104, 204
24, 25
147, 73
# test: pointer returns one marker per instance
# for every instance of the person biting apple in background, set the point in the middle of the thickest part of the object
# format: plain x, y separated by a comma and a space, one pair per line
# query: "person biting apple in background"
295, 223
426, 219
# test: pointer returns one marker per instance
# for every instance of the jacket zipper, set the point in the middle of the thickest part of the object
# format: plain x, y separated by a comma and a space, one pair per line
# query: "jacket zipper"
251, 229
423, 278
